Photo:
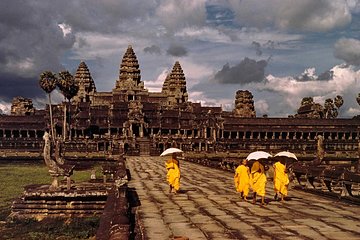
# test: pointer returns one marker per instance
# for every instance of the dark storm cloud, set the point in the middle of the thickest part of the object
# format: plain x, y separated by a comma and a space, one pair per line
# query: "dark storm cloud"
30, 42
176, 50
153, 49
257, 47
247, 71
270, 44
328, 75
102, 16
309, 76
348, 49
13, 86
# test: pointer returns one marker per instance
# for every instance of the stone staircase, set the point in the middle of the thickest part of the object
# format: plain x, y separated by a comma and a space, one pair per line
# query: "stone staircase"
144, 144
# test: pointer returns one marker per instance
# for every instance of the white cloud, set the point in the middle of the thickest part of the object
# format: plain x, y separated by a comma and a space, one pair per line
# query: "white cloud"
194, 72
66, 29
345, 82
5, 107
156, 86
304, 15
204, 34
353, 111
354, 5
178, 14
261, 107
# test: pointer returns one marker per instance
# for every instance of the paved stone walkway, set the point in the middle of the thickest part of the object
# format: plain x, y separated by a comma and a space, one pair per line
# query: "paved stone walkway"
209, 208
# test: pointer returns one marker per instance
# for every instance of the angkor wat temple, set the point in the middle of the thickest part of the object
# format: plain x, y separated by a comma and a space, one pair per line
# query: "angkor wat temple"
131, 120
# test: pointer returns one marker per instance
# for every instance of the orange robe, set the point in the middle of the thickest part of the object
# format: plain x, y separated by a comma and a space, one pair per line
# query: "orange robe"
281, 179
173, 173
258, 178
242, 180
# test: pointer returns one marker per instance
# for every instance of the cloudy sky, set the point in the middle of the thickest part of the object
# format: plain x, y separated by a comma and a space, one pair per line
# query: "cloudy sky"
280, 50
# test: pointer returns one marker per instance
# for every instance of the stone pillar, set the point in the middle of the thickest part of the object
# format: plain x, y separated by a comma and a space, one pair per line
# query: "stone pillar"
68, 183
141, 130
358, 161
320, 151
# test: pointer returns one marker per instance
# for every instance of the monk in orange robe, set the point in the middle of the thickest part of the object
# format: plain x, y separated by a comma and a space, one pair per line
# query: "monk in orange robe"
258, 180
242, 179
281, 180
173, 174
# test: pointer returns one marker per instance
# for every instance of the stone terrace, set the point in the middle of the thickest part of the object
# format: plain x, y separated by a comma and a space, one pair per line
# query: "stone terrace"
209, 208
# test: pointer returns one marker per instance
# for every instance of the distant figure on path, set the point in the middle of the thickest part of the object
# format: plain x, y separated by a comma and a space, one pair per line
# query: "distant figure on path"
242, 179
173, 174
281, 180
258, 179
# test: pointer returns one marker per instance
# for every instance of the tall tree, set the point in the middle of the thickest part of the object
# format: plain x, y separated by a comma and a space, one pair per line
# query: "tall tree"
48, 83
331, 106
330, 109
67, 85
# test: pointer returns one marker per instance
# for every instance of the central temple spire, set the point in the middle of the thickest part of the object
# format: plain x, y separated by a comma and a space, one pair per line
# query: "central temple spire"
129, 72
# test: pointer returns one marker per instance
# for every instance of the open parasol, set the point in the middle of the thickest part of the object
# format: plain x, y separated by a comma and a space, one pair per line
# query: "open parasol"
171, 151
287, 156
257, 155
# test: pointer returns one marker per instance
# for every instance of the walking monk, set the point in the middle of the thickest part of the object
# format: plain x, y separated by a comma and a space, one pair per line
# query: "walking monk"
173, 174
281, 180
242, 179
258, 179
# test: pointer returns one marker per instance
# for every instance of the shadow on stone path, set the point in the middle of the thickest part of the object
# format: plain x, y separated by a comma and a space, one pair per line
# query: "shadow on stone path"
208, 207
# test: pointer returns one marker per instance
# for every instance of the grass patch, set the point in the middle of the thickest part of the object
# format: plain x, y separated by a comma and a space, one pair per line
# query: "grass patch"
14, 177
48, 229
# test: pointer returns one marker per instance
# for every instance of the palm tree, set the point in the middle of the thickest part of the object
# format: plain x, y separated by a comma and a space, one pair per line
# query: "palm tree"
48, 84
66, 84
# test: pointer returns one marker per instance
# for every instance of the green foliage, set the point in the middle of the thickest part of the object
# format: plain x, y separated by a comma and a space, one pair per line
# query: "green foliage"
74, 228
48, 81
14, 177
330, 108
66, 84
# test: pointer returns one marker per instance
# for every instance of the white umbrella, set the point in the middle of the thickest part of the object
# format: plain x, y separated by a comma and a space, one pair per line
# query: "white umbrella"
258, 155
171, 151
286, 154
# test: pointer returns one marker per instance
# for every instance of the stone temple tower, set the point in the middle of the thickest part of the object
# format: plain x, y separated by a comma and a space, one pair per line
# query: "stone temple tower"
85, 82
175, 86
129, 73
244, 104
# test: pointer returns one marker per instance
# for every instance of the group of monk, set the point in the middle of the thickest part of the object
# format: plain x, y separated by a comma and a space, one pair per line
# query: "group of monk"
245, 179
255, 178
